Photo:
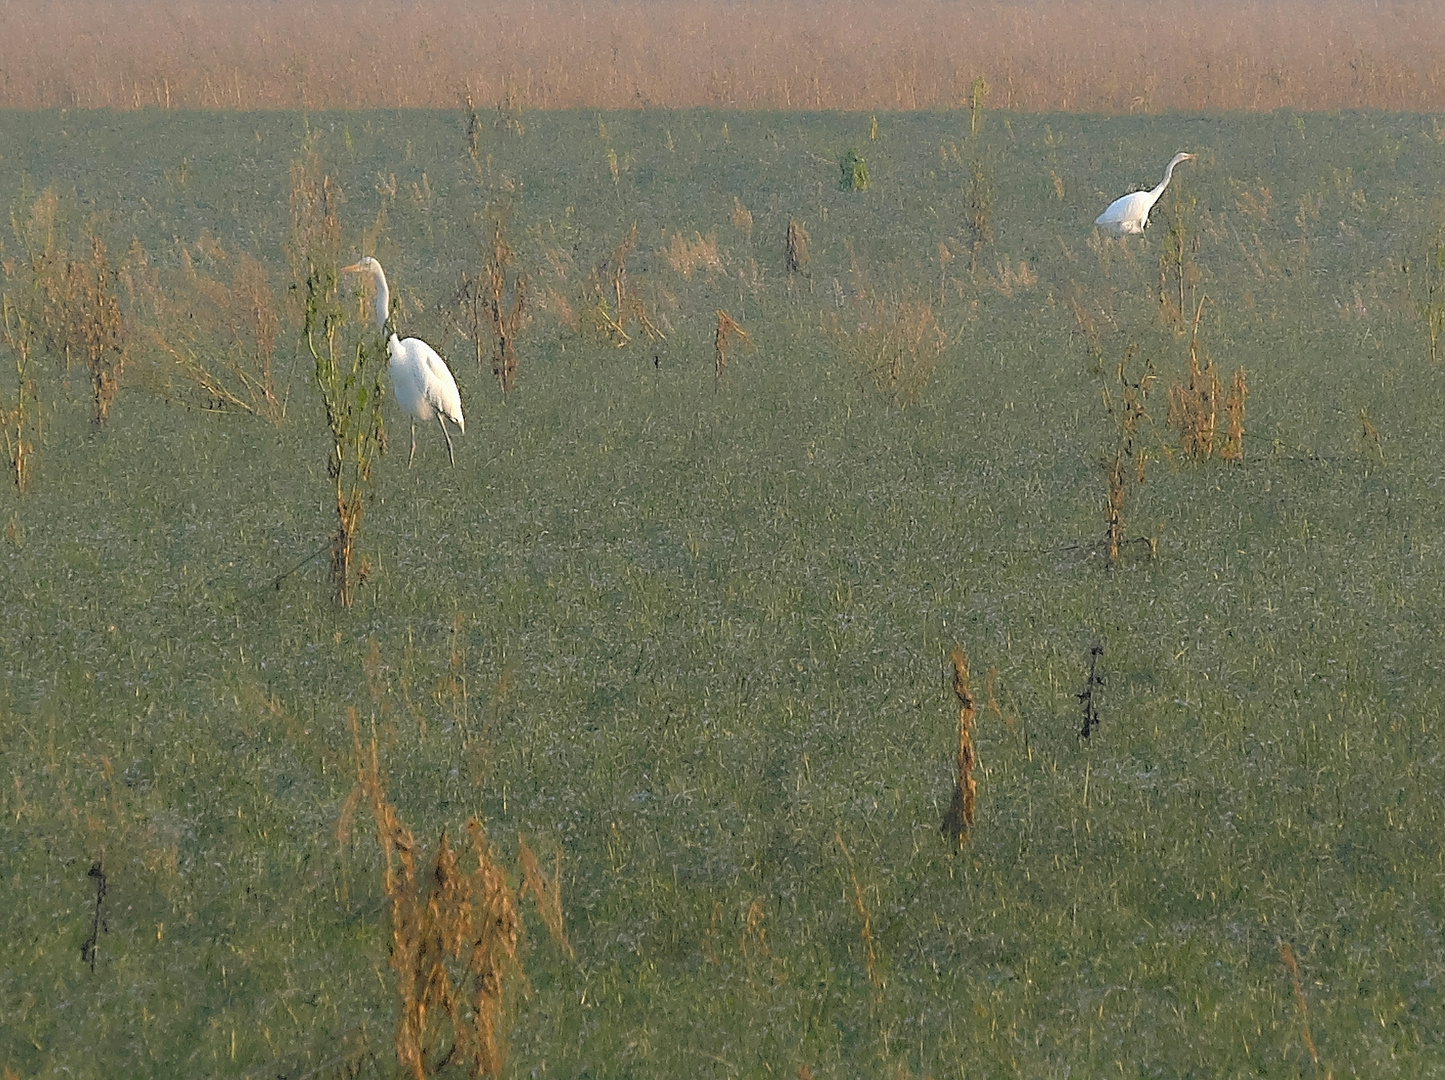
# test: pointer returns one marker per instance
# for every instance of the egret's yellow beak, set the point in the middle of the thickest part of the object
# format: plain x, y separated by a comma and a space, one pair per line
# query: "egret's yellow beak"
354, 268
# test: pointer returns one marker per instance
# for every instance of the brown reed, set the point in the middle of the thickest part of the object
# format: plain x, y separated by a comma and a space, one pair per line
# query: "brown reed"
1128, 464
493, 308
1233, 448
1370, 442
958, 820
1049, 55
1194, 409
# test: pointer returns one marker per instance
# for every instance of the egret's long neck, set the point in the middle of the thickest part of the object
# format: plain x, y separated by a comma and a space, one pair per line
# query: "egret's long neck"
382, 299
1168, 172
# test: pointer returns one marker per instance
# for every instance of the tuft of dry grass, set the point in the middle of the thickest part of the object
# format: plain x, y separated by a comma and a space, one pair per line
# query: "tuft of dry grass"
1194, 409
16, 419
871, 963
898, 344
1233, 448
700, 253
958, 820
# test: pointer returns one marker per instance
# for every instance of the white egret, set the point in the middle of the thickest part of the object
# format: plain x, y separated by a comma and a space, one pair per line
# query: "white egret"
1130, 213
421, 380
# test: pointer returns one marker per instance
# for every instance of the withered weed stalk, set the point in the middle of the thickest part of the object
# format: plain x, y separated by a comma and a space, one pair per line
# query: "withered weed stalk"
899, 347
872, 965
1179, 274
1088, 696
1126, 466
546, 893
959, 818
493, 307
1233, 447
455, 931
727, 332
1430, 306
1291, 965
796, 250
349, 369
1370, 444
981, 191
18, 418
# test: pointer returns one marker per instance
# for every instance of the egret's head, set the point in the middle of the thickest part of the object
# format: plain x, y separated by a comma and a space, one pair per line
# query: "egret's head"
1181, 156
367, 265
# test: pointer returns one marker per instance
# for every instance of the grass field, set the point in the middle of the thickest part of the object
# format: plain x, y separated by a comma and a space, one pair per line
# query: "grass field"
692, 630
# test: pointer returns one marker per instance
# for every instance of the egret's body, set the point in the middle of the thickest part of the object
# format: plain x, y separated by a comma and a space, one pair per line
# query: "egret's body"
1129, 214
420, 379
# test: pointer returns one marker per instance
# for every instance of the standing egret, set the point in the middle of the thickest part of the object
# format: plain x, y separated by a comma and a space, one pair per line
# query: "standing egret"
421, 380
1130, 213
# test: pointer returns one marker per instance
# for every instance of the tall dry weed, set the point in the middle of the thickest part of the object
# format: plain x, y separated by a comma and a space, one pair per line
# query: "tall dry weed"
959, 818
20, 418
455, 933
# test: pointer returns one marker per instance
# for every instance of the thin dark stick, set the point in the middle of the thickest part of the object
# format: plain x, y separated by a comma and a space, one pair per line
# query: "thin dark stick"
1091, 706
91, 945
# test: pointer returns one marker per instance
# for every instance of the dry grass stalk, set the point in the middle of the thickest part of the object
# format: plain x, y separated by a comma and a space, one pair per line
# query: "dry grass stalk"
1286, 955
546, 893
754, 939
865, 928
797, 247
612, 305
960, 815
219, 337
1370, 438
455, 932
1178, 274
96, 328
18, 337
899, 346
1193, 409
1088, 696
493, 306
688, 256
727, 332
1233, 448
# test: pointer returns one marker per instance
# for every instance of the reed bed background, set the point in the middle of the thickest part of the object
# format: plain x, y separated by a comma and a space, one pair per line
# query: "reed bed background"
1041, 55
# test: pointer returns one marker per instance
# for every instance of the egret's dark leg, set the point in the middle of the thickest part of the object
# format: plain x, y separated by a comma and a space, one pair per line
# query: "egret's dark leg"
413, 445
448, 438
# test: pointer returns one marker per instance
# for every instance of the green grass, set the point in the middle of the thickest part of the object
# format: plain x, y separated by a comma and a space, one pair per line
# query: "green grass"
723, 618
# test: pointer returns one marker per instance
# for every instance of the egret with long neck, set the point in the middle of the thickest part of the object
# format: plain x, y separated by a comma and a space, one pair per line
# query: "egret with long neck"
1129, 214
420, 379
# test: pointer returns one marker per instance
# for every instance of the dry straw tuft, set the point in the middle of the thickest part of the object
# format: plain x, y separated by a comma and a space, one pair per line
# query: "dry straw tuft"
700, 253
899, 345
960, 816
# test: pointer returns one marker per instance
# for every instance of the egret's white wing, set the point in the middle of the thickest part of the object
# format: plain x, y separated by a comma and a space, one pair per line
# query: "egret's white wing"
438, 386
1126, 214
